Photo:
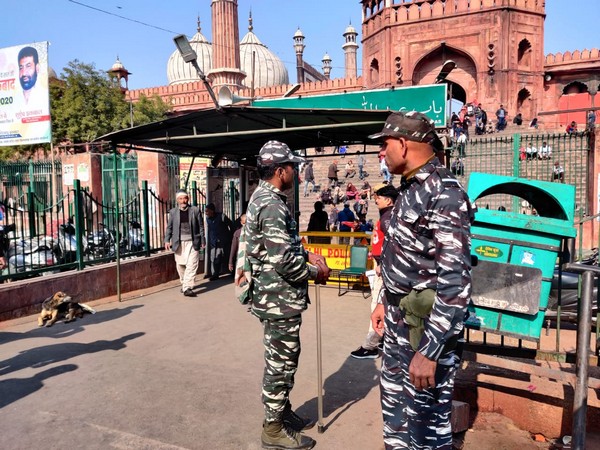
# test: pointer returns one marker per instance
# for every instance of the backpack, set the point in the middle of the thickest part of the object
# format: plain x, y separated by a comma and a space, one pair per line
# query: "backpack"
360, 208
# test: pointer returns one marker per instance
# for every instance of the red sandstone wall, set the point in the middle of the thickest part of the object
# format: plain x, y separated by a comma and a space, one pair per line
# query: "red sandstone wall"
415, 31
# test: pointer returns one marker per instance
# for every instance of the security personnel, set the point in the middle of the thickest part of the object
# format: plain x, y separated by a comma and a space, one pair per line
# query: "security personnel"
279, 291
426, 271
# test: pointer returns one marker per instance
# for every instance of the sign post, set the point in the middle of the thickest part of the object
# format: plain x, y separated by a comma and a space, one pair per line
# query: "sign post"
430, 100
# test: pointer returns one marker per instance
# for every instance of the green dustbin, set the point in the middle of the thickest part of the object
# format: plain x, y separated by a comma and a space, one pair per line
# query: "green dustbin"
516, 253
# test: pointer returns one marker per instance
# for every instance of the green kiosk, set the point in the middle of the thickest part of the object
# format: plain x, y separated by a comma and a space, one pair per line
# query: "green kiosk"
516, 252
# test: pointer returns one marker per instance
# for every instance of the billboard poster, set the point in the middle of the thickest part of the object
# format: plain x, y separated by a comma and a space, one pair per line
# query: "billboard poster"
24, 95
198, 172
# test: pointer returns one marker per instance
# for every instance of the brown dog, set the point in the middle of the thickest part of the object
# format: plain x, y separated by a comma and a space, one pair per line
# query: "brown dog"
61, 303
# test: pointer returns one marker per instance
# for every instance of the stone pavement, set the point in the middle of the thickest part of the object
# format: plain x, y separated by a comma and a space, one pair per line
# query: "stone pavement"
163, 371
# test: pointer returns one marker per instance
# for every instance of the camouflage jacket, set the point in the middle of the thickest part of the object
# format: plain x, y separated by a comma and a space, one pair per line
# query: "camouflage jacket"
428, 246
277, 259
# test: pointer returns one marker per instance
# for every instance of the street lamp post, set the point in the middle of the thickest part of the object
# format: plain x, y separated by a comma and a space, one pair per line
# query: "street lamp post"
447, 67
189, 56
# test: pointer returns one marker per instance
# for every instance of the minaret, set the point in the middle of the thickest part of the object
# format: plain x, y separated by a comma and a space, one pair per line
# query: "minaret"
120, 74
350, 50
326, 65
226, 69
299, 47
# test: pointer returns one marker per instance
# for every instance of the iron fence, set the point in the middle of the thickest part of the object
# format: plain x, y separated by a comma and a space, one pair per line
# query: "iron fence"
16, 177
79, 230
530, 156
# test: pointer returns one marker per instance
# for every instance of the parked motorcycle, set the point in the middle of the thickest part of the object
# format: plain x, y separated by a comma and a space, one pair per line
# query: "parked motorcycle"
134, 242
101, 243
65, 246
30, 254
4, 241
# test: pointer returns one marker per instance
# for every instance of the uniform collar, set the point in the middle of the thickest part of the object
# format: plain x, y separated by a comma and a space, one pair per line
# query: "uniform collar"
268, 186
420, 174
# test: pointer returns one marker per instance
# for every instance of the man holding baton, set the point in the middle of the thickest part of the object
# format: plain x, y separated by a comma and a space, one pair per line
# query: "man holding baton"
279, 291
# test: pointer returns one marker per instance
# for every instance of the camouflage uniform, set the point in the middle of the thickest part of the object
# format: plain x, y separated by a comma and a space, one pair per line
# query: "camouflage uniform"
279, 291
427, 247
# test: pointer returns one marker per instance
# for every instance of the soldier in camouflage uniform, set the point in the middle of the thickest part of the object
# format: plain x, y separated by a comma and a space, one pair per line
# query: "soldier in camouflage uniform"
279, 291
426, 271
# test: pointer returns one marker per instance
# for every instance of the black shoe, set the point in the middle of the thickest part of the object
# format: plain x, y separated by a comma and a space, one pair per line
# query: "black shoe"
294, 421
214, 278
363, 353
189, 293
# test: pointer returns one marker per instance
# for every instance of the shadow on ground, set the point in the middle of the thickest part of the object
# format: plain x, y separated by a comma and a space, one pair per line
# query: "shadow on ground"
350, 384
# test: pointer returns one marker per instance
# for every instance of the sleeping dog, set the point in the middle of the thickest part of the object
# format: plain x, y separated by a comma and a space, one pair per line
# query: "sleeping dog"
61, 303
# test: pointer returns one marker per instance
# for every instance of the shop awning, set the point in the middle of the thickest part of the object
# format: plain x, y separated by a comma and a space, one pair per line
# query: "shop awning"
238, 132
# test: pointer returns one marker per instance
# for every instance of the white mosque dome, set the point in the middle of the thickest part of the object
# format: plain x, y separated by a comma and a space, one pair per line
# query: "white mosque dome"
350, 30
269, 70
178, 71
118, 65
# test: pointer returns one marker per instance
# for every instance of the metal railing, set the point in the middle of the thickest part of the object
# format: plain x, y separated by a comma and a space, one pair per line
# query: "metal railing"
508, 155
80, 230
16, 177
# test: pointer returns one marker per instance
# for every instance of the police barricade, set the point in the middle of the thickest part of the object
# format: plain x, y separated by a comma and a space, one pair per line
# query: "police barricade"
517, 243
335, 246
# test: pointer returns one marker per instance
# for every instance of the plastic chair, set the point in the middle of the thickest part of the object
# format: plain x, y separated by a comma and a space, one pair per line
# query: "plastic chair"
355, 272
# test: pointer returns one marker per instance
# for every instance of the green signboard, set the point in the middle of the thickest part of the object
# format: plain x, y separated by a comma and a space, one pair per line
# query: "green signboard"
428, 99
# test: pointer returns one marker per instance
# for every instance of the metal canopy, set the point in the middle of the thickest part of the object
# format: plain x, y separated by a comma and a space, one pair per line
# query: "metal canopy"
238, 132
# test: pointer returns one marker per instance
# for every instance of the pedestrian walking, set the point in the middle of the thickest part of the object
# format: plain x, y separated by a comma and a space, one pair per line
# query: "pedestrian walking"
385, 196
309, 177
184, 235
332, 174
361, 160
218, 236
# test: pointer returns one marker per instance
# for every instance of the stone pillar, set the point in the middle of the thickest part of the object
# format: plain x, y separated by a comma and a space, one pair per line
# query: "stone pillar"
152, 167
226, 65
87, 168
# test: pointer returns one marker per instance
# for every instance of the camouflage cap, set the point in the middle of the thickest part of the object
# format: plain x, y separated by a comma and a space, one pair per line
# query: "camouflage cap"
275, 152
414, 126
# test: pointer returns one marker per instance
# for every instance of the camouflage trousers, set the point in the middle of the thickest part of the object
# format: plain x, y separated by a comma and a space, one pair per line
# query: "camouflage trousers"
413, 419
282, 350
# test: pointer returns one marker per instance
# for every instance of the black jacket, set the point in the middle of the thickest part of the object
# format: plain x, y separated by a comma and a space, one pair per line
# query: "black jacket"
196, 225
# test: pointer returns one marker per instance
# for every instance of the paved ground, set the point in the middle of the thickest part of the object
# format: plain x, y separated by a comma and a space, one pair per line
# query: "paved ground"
163, 371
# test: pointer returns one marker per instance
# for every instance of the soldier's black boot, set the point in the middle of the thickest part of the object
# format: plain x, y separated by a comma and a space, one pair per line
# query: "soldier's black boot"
278, 436
294, 421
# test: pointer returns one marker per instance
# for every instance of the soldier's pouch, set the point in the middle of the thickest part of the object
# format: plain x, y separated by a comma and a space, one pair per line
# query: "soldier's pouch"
416, 307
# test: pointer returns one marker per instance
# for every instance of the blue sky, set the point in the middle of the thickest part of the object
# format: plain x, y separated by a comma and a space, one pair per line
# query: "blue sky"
79, 32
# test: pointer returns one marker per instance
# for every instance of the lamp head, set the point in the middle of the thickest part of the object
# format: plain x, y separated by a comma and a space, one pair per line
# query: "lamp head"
184, 47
